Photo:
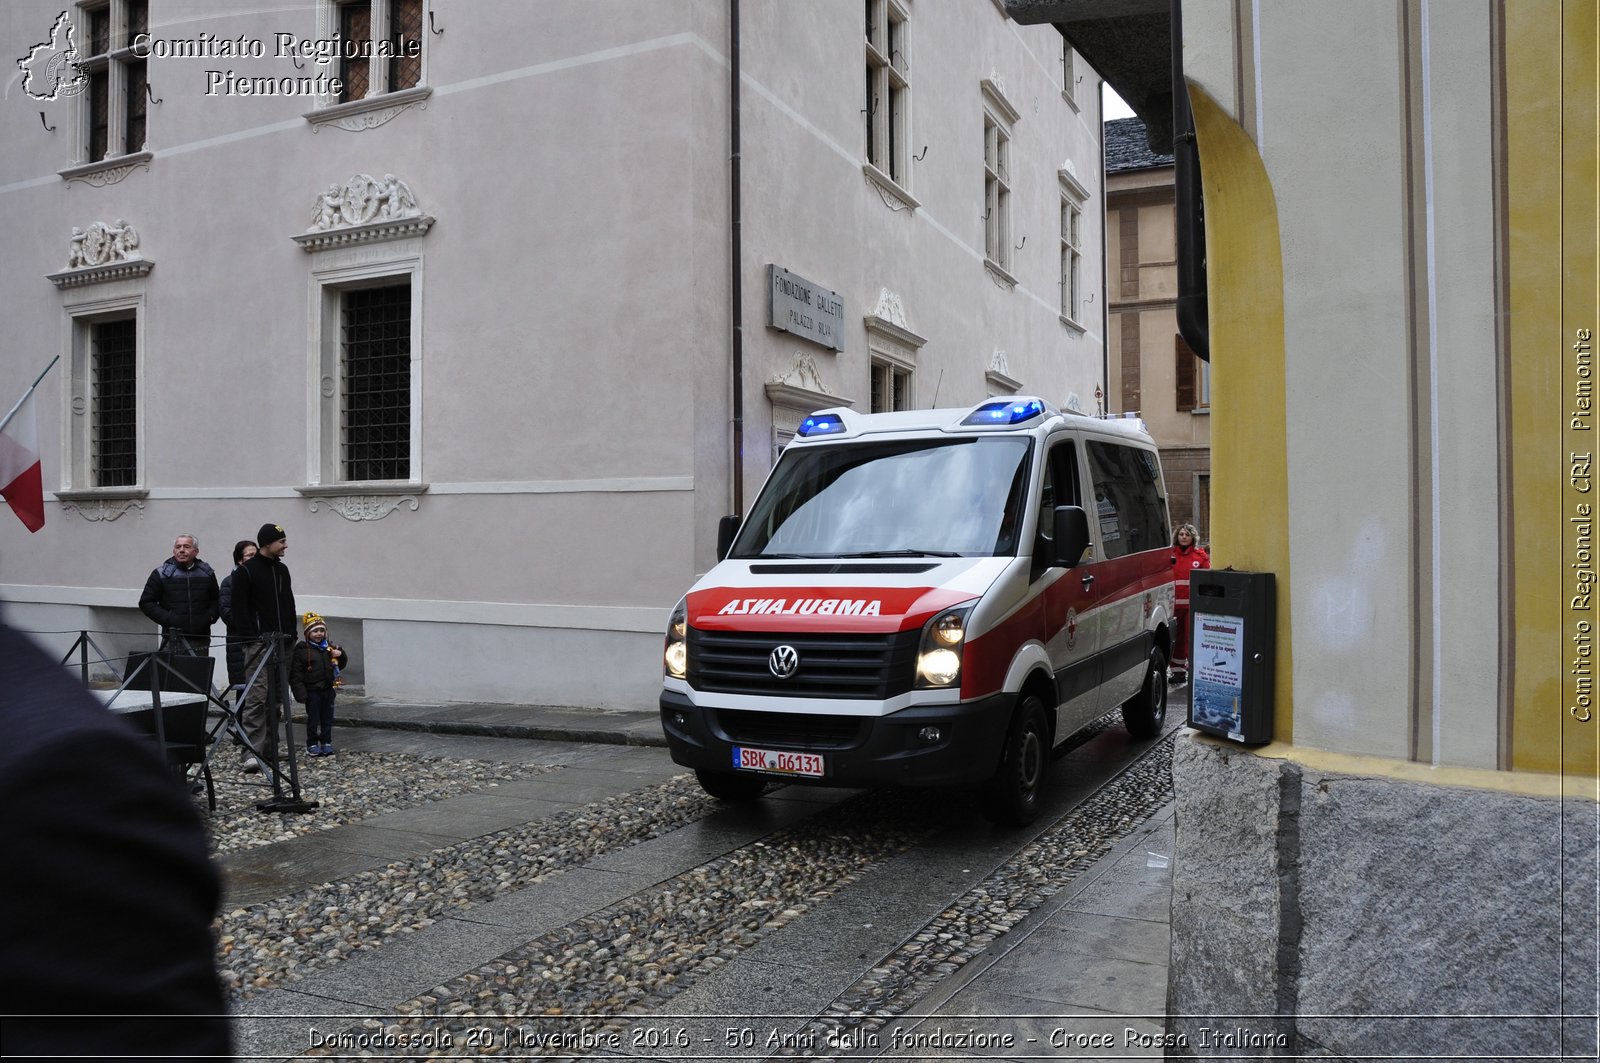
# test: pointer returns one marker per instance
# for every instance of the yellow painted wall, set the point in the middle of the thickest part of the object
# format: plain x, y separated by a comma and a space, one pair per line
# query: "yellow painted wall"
1551, 197
1249, 455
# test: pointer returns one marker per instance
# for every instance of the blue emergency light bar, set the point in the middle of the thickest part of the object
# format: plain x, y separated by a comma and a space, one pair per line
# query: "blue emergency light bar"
1005, 412
819, 426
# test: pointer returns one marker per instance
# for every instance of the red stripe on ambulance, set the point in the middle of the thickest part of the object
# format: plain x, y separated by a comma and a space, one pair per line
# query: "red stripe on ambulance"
844, 609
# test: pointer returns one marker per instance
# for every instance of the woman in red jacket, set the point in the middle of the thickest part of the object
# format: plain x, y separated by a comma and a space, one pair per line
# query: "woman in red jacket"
1187, 555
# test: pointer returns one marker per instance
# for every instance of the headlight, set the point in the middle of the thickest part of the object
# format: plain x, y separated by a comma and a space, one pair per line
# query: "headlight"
939, 668
943, 639
675, 656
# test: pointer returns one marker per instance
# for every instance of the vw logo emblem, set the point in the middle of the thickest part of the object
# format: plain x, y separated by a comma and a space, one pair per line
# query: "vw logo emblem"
783, 661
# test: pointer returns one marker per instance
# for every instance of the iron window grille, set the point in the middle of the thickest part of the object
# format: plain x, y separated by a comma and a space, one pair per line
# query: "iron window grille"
397, 21
113, 437
375, 379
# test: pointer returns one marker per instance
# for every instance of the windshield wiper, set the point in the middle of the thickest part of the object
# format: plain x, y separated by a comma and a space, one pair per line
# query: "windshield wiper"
907, 553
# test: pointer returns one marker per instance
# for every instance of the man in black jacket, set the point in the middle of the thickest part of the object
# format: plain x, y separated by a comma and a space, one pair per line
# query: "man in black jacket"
108, 896
181, 595
263, 609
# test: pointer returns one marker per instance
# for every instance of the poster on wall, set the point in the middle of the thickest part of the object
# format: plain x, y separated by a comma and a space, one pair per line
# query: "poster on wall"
1217, 656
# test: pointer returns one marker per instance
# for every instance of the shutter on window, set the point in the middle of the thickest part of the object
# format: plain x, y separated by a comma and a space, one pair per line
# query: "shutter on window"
1187, 397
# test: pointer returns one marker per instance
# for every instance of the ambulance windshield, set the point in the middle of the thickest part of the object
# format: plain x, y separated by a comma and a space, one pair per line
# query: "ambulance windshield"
916, 498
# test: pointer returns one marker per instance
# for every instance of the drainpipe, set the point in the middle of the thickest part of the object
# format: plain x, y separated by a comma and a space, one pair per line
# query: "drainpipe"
1105, 267
736, 253
1194, 322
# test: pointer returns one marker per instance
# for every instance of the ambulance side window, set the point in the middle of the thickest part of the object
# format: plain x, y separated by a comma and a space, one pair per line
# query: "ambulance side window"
1060, 488
1129, 505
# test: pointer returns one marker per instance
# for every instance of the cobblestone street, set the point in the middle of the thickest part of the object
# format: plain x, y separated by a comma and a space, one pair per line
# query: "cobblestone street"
461, 895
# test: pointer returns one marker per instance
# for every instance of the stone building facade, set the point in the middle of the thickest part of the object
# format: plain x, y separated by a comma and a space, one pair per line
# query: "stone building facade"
451, 292
1151, 369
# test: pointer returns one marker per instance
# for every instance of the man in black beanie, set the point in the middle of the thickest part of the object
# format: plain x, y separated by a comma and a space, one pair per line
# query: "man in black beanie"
263, 607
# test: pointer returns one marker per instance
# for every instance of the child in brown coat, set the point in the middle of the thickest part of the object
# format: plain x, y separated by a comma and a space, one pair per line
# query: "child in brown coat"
314, 677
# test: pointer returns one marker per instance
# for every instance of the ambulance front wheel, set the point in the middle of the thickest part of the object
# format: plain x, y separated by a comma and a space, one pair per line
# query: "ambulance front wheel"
726, 786
1145, 712
1015, 792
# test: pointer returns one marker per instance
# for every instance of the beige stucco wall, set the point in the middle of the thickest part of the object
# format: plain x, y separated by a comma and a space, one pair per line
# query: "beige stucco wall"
1390, 363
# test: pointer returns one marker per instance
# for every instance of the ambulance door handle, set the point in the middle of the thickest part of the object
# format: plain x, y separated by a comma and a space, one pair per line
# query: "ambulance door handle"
1088, 580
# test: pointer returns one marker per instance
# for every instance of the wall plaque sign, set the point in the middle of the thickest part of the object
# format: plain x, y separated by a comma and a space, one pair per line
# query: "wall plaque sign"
799, 306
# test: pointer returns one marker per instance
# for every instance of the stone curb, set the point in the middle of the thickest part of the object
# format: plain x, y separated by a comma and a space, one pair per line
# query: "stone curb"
543, 732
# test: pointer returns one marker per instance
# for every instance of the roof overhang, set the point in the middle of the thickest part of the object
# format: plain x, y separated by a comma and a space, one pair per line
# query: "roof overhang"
1128, 42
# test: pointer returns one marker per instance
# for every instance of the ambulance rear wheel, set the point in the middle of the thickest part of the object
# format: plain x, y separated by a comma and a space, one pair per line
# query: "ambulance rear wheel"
726, 786
1145, 712
1015, 792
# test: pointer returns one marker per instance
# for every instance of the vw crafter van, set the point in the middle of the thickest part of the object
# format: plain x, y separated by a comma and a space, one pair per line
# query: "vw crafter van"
928, 598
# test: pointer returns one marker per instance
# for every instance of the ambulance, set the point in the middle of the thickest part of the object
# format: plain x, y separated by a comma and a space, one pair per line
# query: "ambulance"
928, 598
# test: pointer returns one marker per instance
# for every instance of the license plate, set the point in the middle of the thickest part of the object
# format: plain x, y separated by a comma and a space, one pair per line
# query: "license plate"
769, 760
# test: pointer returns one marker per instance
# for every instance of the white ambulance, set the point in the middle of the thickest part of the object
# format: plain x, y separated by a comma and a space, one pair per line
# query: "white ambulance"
928, 598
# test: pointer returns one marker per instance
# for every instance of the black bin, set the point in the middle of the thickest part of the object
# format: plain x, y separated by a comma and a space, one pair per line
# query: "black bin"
1233, 618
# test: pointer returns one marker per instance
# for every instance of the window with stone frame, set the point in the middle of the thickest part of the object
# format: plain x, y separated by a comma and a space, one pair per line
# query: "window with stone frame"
102, 386
359, 23
888, 89
891, 387
996, 191
1193, 377
1071, 258
115, 102
1069, 74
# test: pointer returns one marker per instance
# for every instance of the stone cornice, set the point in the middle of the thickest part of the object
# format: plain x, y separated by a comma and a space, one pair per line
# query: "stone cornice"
896, 332
121, 269
359, 115
107, 171
371, 233
804, 399
1002, 382
363, 487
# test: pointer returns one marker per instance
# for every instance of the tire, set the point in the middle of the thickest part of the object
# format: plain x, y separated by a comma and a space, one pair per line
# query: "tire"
1145, 712
727, 786
1017, 788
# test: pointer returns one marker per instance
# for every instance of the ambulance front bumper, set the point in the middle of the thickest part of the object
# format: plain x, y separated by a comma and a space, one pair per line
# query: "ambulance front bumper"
898, 749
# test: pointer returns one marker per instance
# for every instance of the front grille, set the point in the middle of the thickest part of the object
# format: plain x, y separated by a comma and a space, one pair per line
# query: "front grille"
831, 666
790, 728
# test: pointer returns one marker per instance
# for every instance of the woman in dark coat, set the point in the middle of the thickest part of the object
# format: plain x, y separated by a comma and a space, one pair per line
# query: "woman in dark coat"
243, 550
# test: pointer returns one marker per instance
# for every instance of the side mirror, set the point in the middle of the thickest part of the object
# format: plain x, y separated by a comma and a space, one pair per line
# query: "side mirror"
727, 529
1071, 535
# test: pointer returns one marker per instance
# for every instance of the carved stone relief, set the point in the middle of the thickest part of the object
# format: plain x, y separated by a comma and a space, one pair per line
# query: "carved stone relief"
102, 252
802, 373
102, 509
362, 210
889, 308
364, 507
102, 175
363, 200
100, 244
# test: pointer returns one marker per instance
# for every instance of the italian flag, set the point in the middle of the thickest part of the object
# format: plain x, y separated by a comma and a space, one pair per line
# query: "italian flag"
21, 484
